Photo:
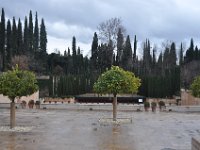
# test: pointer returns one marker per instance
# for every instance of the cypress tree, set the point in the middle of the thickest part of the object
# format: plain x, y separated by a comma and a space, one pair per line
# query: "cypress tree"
120, 42
135, 48
74, 55
181, 55
94, 51
68, 52
26, 37
190, 52
43, 38
127, 55
36, 35
172, 54
14, 37
160, 64
19, 38
109, 54
74, 46
8, 42
2, 39
196, 52
30, 29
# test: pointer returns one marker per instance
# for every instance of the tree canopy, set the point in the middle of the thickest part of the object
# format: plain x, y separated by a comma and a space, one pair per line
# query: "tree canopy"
116, 80
17, 83
195, 87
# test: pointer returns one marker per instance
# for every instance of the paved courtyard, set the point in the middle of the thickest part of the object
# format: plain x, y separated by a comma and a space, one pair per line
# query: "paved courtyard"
80, 130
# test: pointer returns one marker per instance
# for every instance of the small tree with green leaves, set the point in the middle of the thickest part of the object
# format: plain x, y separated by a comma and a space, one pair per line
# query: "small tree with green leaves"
15, 84
115, 81
195, 87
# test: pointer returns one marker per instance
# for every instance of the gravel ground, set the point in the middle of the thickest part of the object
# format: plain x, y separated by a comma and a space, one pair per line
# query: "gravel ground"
81, 130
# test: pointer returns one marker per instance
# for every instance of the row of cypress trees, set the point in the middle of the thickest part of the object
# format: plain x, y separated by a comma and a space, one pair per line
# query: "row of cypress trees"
15, 40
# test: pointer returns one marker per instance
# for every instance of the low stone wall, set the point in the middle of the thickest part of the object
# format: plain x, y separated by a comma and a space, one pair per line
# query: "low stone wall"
188, 99
167, 101
98, 107
195, 143
34, 96
58, 100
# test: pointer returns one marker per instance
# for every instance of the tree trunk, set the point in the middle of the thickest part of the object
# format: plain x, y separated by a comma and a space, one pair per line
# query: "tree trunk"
12, 114
115, 108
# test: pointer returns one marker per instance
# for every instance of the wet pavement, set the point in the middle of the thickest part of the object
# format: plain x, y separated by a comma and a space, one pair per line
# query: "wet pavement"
81, 130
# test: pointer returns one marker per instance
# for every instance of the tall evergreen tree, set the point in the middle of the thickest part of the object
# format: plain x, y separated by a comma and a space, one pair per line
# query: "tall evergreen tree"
135, 48
74, 55
190, 52
26, 37
120, 42
147, 59
196, 52
74, 46
30, 29
2, 39
160, 64
19, 38
8, 42
181, 55
173, 55
127, 63
14, 37
43, 38
94, 50
36, 35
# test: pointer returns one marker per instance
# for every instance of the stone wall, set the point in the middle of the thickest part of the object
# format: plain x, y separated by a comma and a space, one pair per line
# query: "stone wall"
167, 101
59, 100
195, 143
188, 99
35, 97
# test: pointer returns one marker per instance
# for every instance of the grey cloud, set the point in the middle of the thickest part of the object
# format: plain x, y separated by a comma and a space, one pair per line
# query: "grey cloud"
155, 19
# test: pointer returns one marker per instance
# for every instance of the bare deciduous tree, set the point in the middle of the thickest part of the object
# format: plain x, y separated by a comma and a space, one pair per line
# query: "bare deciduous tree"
108, 30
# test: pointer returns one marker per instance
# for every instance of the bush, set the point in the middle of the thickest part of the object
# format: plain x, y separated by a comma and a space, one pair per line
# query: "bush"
195, 87
161, 103
153, 104
37, 103
31, 102
146, 104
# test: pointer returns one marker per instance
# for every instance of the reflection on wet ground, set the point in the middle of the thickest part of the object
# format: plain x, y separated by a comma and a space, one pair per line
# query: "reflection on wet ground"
80, 130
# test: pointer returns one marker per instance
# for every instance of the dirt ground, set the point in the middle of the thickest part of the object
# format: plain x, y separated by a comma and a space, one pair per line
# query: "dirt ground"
81, 130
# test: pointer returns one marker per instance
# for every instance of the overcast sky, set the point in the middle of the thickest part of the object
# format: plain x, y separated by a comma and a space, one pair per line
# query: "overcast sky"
158, 20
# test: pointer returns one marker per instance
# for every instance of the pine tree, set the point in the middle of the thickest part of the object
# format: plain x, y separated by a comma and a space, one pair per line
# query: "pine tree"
19, 38
120, 42
36, 35
2, 40
30, 29
43, 38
